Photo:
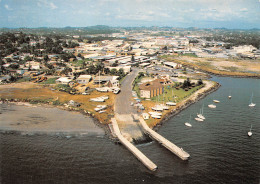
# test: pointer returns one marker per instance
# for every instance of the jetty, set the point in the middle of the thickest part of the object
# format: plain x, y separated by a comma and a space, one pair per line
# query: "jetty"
136, 152
166, 143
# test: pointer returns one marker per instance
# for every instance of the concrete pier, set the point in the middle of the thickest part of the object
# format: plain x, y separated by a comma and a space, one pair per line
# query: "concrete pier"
166, 143
139, 155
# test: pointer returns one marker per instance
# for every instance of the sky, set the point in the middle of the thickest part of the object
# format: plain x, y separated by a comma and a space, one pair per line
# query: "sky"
232, 14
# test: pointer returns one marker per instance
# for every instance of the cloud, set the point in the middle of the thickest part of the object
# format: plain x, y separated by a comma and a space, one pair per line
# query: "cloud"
47, 4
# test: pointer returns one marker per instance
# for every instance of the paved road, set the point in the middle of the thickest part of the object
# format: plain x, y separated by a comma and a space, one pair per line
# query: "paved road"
124, 111
123, 99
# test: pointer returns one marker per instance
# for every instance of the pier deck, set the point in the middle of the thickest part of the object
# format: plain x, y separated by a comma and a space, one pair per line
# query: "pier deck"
139, 155
166, 143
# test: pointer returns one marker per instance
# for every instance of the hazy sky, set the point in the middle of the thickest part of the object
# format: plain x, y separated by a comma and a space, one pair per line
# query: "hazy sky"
177, 13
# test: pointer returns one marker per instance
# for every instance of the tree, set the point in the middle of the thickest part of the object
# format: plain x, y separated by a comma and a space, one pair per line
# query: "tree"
113, 71
200, 82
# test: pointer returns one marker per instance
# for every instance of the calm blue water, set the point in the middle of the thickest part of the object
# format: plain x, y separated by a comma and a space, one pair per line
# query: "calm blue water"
221, 151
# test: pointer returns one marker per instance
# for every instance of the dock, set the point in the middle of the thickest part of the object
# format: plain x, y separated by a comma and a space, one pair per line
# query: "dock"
138, 154
166, 143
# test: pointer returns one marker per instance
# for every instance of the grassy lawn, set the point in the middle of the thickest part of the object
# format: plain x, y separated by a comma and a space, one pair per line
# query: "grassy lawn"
174, 95
24, 79
50, 81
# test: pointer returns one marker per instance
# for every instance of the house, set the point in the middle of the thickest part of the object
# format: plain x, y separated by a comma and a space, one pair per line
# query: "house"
151, 89
104, 79
113, 83
83, 79
63, 80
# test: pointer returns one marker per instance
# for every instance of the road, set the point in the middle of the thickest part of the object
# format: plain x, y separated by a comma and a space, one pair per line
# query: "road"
123, 99
124, 111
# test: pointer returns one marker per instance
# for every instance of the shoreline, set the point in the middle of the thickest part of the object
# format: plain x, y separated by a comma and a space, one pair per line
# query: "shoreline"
186, 104
215, 72
105, 127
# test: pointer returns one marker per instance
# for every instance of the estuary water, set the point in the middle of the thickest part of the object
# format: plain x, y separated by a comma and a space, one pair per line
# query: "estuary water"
221, 151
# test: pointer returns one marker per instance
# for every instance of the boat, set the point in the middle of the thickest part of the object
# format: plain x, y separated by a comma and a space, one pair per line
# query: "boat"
155, 113
212, 106
171, 103
200, 115
251, 104
199, 119
229, 97
216, 101
187, 123
165, 107
100, 107
250, 132
157, 108
98, 99
155, 116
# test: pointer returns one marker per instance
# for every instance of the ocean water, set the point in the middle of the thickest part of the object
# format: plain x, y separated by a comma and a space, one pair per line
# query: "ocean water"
221, 151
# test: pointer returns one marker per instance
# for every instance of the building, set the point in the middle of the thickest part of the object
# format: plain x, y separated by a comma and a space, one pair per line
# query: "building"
63, 80
151, 89
104, 79
113, 83
83, 79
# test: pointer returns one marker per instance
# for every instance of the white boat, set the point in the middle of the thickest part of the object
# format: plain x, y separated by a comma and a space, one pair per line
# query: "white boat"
251, 104
212, 106
165, 107
171, 103
216, 101
200, 115
104, 89
157, 108
98, 99
187, 123
155, 113
229, 97
250, 132
100, 107
156, 117
198, 119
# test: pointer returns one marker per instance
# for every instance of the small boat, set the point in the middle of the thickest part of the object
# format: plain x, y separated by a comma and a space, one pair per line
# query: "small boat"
216, 101
250, 132
157, 108
187, 123
229, 97
200, 115
251, 102
212, 106
98, 99
155, 113
165, 107
155, 116
171, 103
198, 119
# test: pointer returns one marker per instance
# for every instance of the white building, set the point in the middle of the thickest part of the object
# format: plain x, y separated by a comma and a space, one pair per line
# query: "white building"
63, 80
83, 79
